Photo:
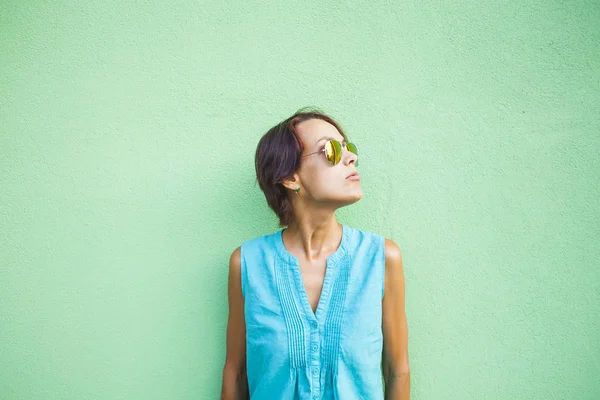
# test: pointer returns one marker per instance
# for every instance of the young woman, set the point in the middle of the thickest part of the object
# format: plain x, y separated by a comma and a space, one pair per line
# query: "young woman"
316, 310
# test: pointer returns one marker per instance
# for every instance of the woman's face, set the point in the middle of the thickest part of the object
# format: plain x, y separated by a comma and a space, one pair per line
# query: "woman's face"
319, 179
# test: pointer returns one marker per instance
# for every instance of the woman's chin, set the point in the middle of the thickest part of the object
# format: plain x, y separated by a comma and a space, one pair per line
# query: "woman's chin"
354, 196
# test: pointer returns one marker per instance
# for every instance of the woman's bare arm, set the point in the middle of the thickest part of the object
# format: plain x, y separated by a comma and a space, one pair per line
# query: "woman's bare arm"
396, 370
235, 381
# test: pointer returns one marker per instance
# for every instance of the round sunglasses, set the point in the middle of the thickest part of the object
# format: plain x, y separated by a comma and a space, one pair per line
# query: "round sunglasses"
333, 151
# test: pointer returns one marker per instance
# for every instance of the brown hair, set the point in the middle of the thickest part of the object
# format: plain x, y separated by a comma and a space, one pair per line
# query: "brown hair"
278, 157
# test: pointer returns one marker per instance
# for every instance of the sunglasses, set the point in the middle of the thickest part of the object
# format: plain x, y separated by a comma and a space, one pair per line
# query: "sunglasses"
333, 151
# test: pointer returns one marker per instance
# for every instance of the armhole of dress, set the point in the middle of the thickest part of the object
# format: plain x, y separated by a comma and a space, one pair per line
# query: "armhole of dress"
382, 266
242, 271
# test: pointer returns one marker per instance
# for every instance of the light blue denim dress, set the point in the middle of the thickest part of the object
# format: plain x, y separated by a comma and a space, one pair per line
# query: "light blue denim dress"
295, 353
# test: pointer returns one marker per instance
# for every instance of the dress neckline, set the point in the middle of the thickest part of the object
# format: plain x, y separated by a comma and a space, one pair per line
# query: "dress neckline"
333, 264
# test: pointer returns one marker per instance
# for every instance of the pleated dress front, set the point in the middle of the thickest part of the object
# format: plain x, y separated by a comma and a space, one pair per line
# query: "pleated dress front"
295, 353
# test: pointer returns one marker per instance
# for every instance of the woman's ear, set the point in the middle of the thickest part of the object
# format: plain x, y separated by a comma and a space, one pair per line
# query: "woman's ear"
293, 183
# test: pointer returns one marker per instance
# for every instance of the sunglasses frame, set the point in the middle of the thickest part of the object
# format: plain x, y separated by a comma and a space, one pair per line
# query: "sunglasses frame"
342, 144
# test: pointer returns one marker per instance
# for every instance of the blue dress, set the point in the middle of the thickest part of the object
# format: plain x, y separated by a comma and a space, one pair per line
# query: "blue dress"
295, 353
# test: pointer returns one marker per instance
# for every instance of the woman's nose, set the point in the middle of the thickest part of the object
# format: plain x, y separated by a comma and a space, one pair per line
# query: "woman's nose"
350, 157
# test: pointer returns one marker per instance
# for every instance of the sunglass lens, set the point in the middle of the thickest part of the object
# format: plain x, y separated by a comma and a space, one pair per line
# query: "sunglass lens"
352, 148
333, 150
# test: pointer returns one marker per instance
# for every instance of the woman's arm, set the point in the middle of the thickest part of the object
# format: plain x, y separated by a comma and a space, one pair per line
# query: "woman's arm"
396, 370
235, 381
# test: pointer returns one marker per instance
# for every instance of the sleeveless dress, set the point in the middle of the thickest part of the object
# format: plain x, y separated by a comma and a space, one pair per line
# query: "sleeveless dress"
295, 353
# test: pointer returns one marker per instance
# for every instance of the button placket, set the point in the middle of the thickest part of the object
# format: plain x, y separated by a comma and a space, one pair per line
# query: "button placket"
315, 357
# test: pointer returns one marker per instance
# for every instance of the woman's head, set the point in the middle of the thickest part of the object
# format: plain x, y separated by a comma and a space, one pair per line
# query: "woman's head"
285, 161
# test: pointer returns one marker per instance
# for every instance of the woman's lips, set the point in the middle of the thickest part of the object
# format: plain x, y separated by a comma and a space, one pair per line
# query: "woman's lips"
353, 177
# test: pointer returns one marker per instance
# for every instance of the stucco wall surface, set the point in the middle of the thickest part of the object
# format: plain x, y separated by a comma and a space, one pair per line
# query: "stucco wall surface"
127, 137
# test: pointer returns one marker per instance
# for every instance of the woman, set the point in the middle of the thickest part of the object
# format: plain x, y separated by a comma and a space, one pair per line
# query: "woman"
316, 310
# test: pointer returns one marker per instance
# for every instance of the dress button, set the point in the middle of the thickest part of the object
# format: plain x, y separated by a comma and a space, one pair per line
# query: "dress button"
315, 397
315, 371
315, 347
314, 323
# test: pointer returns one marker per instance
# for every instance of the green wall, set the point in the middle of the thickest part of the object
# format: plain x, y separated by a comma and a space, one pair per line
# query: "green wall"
127, 138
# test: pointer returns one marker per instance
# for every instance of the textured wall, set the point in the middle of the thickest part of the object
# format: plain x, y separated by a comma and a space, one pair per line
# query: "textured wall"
127, 135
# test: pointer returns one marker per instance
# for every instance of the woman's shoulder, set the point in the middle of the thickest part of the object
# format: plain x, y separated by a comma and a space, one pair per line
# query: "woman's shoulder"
361, 234
376, 239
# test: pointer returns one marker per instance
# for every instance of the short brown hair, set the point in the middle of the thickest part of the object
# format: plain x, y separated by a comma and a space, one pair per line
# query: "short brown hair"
278, 157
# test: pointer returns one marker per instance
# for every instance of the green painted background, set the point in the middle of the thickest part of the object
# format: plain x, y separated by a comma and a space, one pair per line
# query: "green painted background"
127, 138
